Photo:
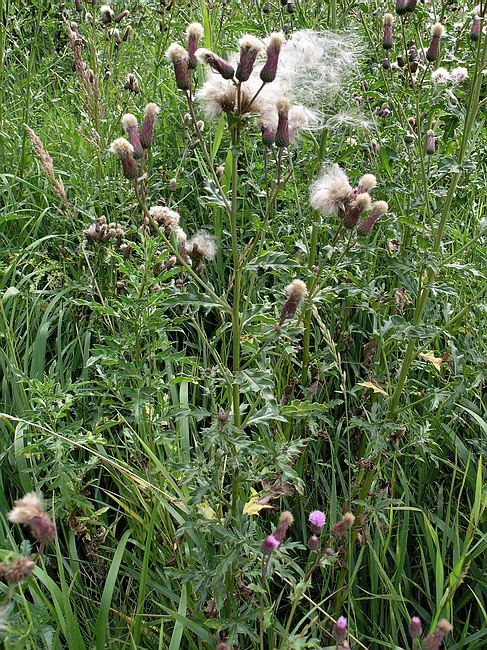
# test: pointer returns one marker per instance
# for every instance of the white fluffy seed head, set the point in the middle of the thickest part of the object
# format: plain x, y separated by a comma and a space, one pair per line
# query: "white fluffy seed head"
459, 74
106, 9
276, 40
297, 290
151, 109
129, 121
177, 53
380, 207
437, 30
203, 55
203, 245
26, 508
388, 19
440, 76
283, 104
249, 42
121, 148
363, 201
331, 192
165, 217
368, 182
195, 30
180, 234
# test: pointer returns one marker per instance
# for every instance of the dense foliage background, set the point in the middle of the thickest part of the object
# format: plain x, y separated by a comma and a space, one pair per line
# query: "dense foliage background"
118, 372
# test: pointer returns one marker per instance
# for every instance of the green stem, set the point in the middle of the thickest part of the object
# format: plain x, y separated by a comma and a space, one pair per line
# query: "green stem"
308, 313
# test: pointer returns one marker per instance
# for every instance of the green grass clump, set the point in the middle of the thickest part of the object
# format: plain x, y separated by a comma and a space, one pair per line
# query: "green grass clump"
172, 406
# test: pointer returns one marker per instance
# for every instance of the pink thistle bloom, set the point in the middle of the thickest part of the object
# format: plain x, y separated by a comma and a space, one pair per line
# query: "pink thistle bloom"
317, 518
269, 544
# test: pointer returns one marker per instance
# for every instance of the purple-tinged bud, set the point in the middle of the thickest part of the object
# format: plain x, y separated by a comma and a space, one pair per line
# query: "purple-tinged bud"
146, 132
317, 519
401, 7
222, 646
125, 152
290, 7
433, 51
129, 123
249, 49
387, 36
400, 61
355, 209
386, 64
180, 59
78, 5
415, 627
215, 62
43, 528
430, 142
20, 569
132, 85
339, 529
329, 551
285, 28
475, 30
121, 16
313, 543
285, 520
411, 5
269, 544
194, 32
413, 66
296, 292
106, 14
282, 131
412, 53
340, 629
266, 9
269, 70
366, 225
268, 134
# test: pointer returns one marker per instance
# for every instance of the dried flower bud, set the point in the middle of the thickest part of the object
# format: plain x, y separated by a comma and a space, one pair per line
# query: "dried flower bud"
106, 14
269, 544
215, 62
127, 33
269, 70
78, 5
378, 209
147, 130
296, 292
89, 18
132, 84
387, 36
339, 529
180, 59
400, 61
125, 152
415, 627
249, 49
121, 16
195, 33
282, 131
430, 142
433, 51
126, 250
20, 569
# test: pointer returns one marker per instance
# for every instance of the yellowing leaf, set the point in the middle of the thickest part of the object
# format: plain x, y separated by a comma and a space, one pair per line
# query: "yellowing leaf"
206, 510
253, 507
430, 356
373, 386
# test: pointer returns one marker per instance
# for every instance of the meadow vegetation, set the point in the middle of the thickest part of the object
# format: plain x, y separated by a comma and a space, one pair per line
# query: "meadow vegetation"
242, 324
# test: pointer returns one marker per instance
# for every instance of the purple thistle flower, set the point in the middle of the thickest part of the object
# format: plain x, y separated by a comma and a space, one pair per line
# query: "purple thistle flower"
147, 129
387, 35
317, 518
433, 50
194, 33
269, 544
249, 49
269, 70
430, 142
475, 29
366, 225
313, 542
215, 62
415, 627
282, 131
340, 630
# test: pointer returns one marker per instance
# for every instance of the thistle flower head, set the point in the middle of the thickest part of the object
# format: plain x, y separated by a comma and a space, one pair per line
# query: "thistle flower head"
387, 42
340, 630
366, 183
475, 29
332, 192
269, 544
285, 520
433, 51
313, 542
365, 226
249, 49
202, 246
132, 84
180, 58
440, 76
106, 14
129, 121
195, 33
121, 148
355, 208
317, 518
215, 62
18, 570
430, 142
147, 129
26, 508
195, 30
282, 132
388, 19
415, 627
437, 30
274, 45
165, 218
459, 74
